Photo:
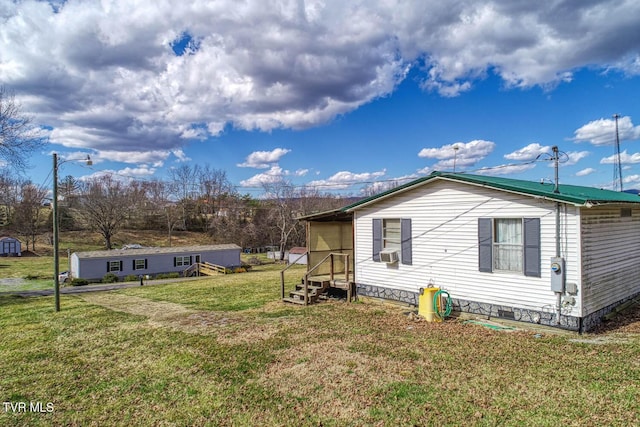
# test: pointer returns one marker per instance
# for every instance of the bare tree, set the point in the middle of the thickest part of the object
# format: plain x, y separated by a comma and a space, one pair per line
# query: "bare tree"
69, 187
159, 194
281, 196
19, 137
214, 190
9, 195
184, 184
29, 213
105, 204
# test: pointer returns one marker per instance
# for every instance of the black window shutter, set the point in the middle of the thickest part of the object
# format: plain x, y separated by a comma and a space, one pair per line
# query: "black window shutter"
190, 259
133, 264
175, 261
405, 235
532, 247
121, 266
377, 238
108, 265
145, 263
485, 245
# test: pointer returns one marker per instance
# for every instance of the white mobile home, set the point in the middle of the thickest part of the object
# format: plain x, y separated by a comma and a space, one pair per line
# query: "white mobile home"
493, 245
150, 261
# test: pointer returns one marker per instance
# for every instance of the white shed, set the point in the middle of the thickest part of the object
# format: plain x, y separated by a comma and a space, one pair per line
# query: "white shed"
297, 255
489, 242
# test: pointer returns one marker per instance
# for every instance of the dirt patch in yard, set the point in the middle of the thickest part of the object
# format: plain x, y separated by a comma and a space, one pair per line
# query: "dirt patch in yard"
330, 379
229, 328
626, 321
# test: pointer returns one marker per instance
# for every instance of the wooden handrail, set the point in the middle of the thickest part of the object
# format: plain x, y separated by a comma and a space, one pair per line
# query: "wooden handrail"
285, 269
305, 279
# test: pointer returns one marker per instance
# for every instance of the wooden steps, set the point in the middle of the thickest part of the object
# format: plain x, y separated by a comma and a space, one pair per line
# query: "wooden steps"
319, 285
204, 269
317, 290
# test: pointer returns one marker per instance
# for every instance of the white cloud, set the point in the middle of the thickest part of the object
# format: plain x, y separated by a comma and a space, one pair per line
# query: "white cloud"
603, 131
625, 158
585, 172
380, 186
463, 155
633, 180
104, 75
528, 153
133, 157
505, 169
573, 157
345, 179
180, 155
263, 159
273, 175
125, 174
301, 172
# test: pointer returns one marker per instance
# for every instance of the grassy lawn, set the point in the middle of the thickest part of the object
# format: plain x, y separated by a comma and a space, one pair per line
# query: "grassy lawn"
225, 351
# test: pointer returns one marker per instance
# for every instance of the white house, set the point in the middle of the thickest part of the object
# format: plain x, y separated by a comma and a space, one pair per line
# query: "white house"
492, 244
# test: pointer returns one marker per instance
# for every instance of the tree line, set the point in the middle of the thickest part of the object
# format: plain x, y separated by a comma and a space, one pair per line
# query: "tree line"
193, 198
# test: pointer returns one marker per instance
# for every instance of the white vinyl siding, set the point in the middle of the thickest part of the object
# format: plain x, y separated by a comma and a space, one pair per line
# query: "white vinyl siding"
444, 218
611, 256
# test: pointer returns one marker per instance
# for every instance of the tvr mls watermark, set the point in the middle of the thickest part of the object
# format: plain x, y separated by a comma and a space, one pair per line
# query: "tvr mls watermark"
39, 407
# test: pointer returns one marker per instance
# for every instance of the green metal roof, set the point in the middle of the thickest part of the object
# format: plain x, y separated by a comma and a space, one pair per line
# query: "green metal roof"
574, 194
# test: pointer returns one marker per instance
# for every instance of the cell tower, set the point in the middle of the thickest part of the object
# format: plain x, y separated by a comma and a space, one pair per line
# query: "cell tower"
617, 168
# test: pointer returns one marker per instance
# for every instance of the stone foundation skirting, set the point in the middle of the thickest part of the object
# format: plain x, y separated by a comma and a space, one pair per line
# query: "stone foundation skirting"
387, 293
482, 309
539, 317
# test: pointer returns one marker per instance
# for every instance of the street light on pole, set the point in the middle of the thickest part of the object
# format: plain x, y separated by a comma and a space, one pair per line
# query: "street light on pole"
54, 207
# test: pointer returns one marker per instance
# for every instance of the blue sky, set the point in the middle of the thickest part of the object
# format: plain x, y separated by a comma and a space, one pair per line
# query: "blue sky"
344, 97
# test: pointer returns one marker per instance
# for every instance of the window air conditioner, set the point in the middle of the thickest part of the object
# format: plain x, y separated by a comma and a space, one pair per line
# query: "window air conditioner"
389, 256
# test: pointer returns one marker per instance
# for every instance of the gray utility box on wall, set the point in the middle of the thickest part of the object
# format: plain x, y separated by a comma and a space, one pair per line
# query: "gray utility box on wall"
557, 274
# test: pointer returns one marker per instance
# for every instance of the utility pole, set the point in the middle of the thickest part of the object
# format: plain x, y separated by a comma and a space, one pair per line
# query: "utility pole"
455, 156
555, 166
617, 168
56, 260
56, 242
556, 189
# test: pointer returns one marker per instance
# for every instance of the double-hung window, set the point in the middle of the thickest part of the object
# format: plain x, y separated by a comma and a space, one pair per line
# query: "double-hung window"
113, 266
392, 234
139, 264
509, 245
181, 261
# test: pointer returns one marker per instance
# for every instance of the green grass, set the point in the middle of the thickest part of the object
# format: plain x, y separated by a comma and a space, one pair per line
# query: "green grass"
225, 351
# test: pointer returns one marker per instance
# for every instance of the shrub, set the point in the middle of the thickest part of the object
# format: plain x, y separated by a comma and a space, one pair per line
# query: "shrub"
239, 270
131, 278
173, 275
109, 278
79, 282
